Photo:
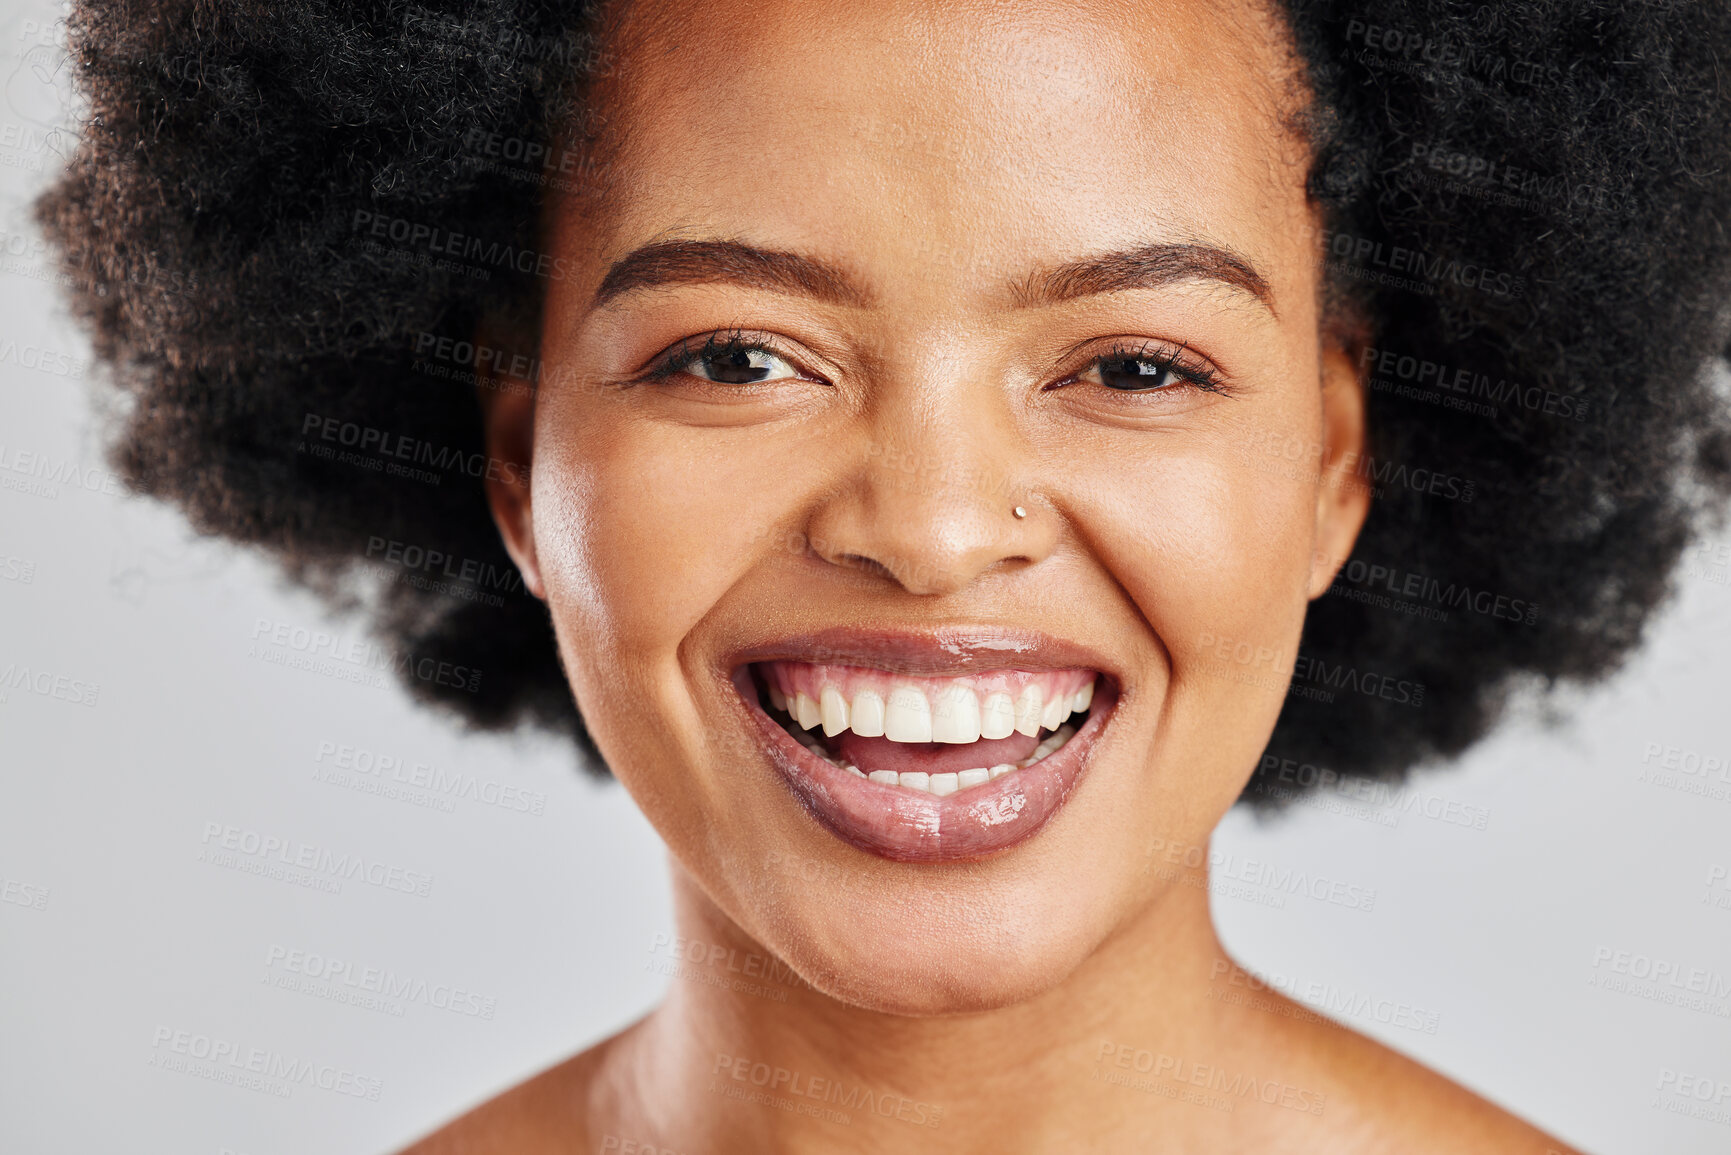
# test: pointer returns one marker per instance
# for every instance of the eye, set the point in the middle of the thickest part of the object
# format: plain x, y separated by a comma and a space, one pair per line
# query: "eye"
1144, 370
727, 359
1129, 373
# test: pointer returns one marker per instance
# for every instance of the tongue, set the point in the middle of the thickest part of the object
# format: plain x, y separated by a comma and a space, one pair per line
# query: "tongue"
932, 757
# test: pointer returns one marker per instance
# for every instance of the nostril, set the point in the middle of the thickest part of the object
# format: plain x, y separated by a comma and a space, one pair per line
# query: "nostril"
868, 564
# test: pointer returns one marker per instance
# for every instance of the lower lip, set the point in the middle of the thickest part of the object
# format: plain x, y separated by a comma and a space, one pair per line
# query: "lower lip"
911, 826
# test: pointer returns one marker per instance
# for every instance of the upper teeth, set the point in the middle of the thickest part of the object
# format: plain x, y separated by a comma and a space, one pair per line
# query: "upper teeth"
907, 714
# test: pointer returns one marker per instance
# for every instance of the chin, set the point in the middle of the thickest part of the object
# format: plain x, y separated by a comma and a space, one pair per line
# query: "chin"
935, 969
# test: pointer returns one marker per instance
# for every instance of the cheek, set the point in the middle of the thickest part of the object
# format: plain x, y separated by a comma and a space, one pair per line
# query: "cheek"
643, 527
1203, 538
1211, 541
636, 539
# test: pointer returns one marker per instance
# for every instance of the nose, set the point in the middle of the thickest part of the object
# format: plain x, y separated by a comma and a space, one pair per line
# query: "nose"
930, 500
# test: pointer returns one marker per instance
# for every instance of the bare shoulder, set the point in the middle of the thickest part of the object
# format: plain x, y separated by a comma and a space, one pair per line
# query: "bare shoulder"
549, 1112
1379, 1100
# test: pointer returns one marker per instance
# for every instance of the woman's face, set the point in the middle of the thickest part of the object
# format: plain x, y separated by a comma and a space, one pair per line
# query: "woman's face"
955, 260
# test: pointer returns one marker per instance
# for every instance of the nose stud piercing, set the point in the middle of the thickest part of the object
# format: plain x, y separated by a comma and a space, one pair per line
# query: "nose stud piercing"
1020, 512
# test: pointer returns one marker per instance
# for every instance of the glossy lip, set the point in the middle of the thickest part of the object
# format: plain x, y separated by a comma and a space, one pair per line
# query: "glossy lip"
906, 825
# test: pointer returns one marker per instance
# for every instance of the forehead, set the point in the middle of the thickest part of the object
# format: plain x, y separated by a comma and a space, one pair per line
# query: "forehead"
957, 136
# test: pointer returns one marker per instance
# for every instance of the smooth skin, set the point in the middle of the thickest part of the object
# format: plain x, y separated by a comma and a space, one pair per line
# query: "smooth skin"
940, 161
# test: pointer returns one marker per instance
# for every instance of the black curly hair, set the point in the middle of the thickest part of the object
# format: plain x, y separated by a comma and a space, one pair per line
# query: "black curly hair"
284, 223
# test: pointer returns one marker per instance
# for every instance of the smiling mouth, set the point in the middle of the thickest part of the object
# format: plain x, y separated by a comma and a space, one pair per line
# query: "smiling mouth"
934, 735
927, 747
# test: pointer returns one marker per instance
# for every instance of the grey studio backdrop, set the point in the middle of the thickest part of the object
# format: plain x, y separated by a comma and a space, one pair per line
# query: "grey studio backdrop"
1549, 922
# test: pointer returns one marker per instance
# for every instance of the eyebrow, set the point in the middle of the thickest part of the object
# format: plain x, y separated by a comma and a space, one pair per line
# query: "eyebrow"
728, 262
732, 262
1146, 267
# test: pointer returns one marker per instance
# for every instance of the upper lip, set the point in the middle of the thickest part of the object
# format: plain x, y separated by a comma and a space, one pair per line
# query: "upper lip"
940, 651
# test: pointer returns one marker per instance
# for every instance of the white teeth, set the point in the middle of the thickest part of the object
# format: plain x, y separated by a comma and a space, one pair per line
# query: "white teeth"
1028, 711
954, 714
998, 716
945, 784
1049, 744
957, 717
907, 716
866, 717
1056, 711
833, 707
942, 785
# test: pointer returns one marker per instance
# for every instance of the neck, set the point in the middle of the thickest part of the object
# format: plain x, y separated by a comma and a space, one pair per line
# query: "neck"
745, 1055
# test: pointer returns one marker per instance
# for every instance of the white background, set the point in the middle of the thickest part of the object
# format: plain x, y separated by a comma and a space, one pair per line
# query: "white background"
1490, 934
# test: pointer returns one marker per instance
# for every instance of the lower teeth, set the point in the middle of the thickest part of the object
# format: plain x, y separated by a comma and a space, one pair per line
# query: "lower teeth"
941, 784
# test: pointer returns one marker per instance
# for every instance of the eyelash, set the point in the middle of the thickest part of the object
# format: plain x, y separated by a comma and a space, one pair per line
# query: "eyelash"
686, 354
1173, 359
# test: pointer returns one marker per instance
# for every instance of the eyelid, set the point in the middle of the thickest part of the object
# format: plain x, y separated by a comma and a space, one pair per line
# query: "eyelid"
1194, 369
688, 349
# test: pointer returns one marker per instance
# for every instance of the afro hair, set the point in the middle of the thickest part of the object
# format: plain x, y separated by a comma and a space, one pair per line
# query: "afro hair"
1526, 204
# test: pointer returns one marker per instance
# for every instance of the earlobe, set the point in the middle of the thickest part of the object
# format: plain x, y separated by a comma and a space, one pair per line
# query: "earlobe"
508, 421
1343, 495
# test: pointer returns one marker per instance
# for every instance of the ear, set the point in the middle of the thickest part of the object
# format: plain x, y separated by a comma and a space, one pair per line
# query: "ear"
508, 422
1343, 500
